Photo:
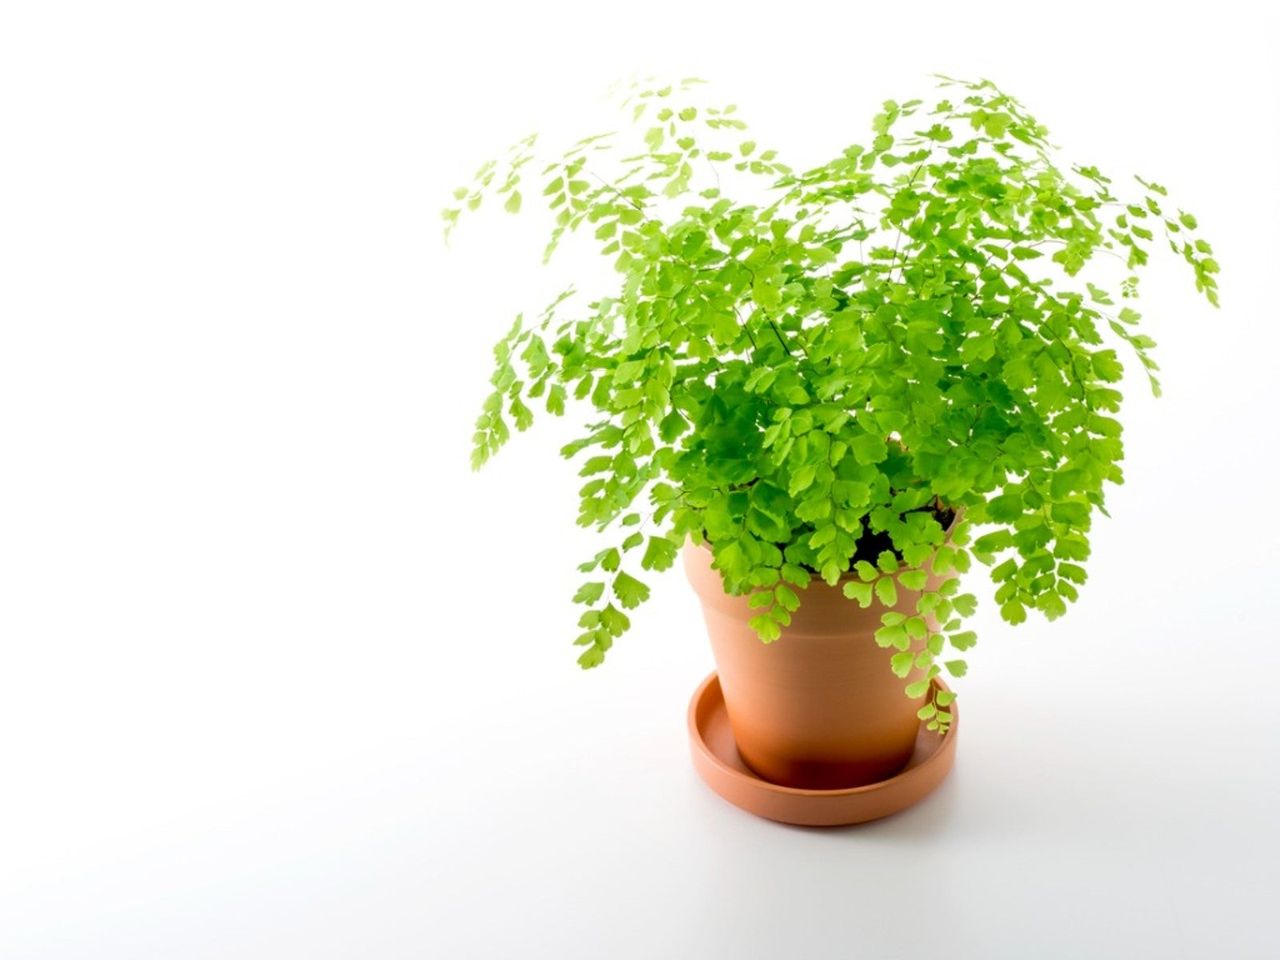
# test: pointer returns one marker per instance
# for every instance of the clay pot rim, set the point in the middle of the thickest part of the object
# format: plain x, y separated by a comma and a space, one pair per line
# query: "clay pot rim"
848, 574
755, 782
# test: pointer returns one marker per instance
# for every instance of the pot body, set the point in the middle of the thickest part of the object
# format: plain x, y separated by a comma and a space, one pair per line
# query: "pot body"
819, 708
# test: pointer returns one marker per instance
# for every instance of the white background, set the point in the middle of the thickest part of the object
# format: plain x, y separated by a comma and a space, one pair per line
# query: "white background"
281, 678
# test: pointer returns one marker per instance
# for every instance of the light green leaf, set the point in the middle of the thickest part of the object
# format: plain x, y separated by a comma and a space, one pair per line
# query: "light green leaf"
902, 663
886, 592
766, 628
659, 554
917, 689
868, 449
893, 636
802, 479
913, 579
856, 590
1013, 612
629, 591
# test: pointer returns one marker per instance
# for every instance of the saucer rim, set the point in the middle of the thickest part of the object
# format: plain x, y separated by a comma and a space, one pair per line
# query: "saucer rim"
945, 745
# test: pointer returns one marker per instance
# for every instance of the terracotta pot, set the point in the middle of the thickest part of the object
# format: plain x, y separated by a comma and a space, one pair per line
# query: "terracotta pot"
819, 708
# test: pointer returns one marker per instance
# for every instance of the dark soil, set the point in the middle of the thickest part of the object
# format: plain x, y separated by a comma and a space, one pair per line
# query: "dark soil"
871, 545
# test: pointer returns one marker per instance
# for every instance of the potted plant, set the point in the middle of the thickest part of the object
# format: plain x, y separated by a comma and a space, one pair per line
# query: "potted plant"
835, 387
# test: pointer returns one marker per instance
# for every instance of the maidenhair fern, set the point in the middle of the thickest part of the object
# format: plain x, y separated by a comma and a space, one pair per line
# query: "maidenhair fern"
815, 372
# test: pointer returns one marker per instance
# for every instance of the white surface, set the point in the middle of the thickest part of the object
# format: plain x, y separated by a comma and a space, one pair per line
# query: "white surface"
282, 679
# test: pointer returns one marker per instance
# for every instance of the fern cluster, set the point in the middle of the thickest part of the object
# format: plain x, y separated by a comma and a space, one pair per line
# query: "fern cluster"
814, 371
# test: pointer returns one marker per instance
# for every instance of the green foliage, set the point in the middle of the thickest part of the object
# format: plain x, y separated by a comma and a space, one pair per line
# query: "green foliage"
817, 382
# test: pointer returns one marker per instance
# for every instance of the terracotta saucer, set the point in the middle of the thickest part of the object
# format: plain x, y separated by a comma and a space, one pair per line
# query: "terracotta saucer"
715, 757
